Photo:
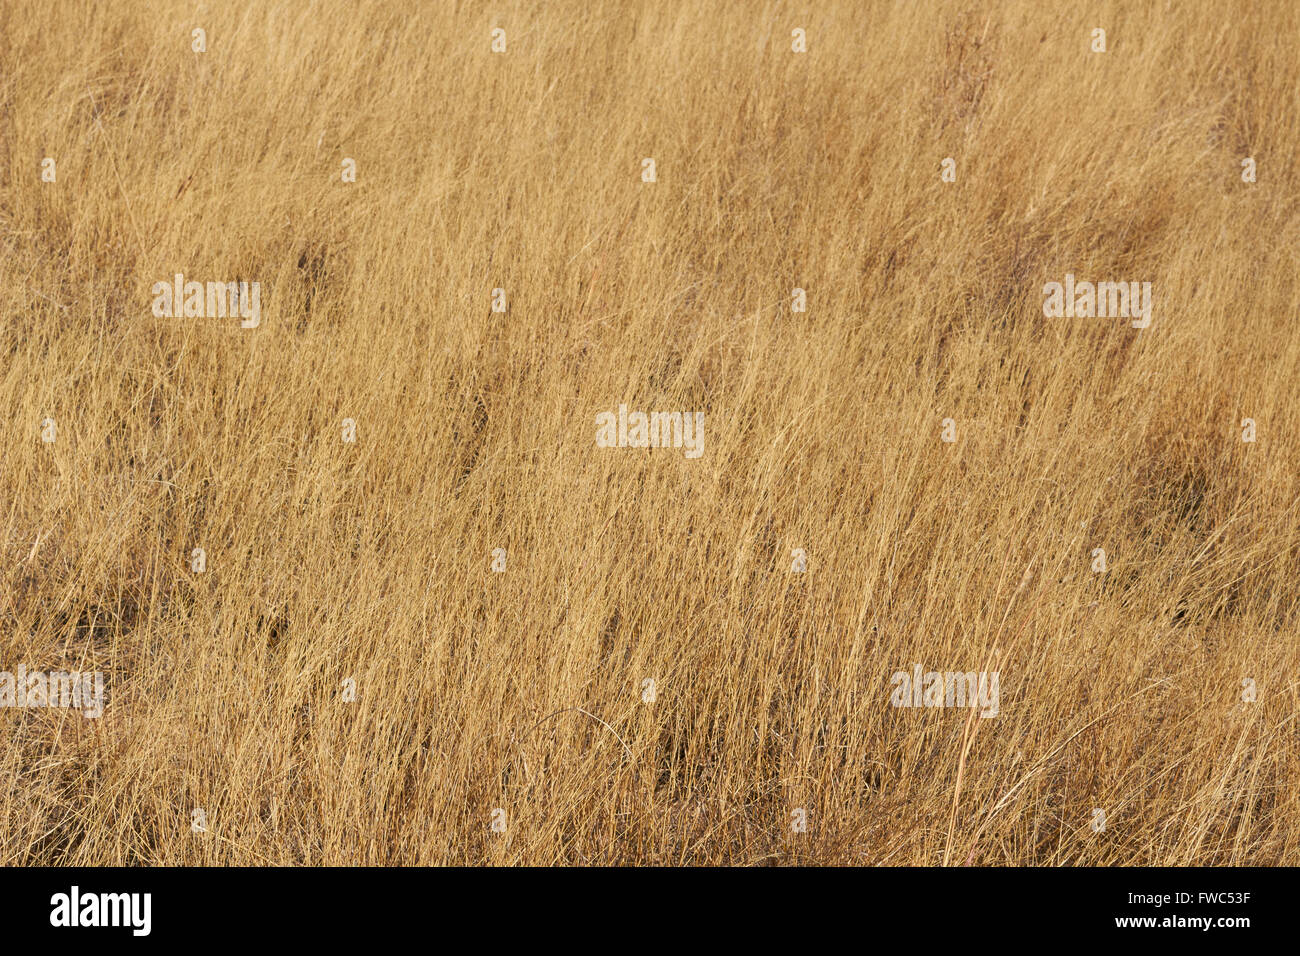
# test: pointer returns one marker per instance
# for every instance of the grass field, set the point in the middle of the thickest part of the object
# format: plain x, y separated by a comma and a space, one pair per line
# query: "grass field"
347, 679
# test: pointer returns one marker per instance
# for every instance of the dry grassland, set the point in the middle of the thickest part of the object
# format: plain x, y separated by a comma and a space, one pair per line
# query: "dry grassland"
327, 561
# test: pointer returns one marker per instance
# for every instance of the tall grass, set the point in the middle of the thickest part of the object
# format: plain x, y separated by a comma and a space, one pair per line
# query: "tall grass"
1121, 691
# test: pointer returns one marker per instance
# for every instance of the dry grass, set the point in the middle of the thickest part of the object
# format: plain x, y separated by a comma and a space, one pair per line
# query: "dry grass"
521, 690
